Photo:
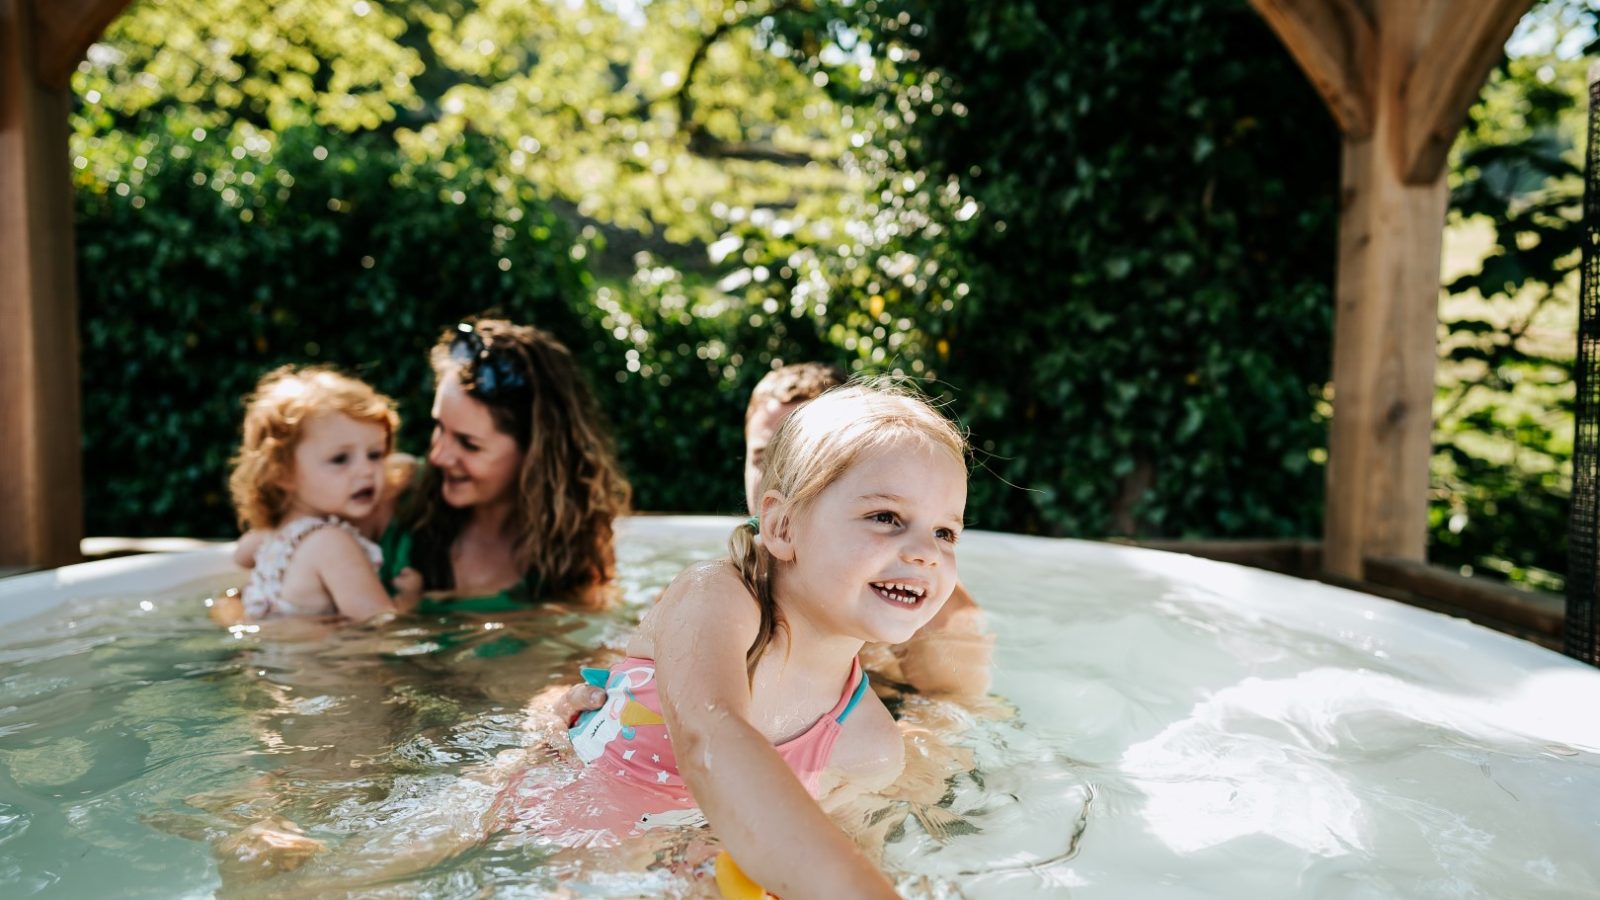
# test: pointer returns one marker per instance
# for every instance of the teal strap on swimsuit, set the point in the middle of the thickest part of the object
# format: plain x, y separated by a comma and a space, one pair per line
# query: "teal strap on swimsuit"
861, 688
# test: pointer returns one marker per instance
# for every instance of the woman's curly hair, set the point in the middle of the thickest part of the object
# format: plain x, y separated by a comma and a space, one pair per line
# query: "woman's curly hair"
570, 489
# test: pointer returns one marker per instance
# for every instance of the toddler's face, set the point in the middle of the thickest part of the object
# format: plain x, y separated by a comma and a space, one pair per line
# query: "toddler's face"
338, 467
875, 553
479, 462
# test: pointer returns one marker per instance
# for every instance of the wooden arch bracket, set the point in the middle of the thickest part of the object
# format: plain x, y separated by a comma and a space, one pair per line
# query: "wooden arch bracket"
1431, 56
62, 33
1334, 43
1465, 44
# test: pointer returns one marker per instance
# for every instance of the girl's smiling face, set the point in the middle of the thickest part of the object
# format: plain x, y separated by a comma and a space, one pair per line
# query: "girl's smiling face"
479, 462
874, 555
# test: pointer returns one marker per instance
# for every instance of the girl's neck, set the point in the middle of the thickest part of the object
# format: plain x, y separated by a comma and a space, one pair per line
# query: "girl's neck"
815, 649
299, 510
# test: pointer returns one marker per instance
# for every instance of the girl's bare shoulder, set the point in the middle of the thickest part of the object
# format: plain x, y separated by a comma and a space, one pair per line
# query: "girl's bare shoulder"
330, 545
710, 583
707, 596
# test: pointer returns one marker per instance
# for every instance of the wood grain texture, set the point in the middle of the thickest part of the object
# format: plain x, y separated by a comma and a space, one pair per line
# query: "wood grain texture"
1465, 41
62, 33
1333, 42
41, 481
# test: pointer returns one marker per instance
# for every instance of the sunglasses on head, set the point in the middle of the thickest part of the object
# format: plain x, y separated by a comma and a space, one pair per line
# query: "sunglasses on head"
495, 371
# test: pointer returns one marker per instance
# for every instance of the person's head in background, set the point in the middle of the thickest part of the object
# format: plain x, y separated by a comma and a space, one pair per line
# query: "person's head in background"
777, 395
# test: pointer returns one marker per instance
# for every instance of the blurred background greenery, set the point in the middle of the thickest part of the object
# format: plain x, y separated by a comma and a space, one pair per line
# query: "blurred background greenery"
1104, 230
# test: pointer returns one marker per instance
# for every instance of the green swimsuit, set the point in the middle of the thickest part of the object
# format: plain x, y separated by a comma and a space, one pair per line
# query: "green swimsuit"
396, 544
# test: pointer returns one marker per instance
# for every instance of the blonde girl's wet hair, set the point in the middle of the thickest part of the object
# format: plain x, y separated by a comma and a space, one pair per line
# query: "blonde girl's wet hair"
814, 447
276, 414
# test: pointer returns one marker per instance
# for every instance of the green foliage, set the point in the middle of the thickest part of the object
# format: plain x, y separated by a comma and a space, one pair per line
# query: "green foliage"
1504, 414
685, 360
271, 64
1105, 229
209, 258
1114, 246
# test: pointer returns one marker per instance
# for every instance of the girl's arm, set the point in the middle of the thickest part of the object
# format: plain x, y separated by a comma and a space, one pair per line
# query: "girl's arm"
227, 610
772, 828
408, 590
249, 543
346, 574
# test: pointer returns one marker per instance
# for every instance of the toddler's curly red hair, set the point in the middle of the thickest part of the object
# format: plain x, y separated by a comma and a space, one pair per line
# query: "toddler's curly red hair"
275, 416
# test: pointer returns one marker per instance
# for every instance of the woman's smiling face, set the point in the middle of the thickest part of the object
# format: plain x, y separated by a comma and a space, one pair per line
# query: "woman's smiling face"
479, 462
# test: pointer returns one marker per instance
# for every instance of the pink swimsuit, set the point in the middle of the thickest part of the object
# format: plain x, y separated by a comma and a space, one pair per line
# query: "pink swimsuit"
632, 781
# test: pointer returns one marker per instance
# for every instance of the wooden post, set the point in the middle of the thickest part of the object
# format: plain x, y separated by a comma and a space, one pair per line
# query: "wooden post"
1386, 298
1398, 76
41, 479
41, 455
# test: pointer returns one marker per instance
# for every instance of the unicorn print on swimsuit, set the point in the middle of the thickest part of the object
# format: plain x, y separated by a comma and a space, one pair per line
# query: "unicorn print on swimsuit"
619, 717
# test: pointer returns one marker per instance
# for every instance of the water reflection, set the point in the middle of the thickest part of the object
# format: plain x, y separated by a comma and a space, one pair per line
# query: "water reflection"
1163, 727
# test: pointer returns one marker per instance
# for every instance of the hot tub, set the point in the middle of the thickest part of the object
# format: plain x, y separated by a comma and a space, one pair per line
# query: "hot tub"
1162, 726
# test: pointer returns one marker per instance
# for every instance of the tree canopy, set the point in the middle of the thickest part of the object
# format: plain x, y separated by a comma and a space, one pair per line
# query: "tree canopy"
1103, 231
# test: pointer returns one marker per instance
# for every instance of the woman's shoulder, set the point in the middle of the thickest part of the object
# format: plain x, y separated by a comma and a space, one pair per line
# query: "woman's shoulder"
402, 470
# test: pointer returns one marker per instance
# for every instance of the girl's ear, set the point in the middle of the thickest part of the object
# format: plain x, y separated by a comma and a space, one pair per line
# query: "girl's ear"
775, 526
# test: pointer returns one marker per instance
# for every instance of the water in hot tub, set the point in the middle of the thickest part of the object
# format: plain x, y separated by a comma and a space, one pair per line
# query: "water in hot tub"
1160, 727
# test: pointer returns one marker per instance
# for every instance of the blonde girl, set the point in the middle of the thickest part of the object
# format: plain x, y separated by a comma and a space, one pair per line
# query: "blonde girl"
750, 664
310, 463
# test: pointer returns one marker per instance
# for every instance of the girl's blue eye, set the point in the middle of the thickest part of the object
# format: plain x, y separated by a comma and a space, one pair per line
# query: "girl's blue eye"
340, 459
374, 455
948, 534
885, 518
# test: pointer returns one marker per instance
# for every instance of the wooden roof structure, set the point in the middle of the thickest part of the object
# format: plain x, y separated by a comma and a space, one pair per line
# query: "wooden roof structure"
1397, 75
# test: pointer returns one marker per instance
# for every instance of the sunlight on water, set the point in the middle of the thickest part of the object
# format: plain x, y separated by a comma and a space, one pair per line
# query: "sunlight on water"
1162, 727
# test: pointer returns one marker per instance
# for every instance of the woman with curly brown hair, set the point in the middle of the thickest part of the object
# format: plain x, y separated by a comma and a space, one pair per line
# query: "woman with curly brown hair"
521, 488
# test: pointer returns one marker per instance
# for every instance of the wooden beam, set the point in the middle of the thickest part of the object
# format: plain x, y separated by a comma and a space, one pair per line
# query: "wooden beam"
63, 31
1333, 42
1290, 556
1465, 41
1385, 322
1533, 611
1428, 65
41, 480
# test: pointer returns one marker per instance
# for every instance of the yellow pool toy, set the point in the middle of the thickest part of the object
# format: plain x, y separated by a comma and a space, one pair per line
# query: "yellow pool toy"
734, 884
